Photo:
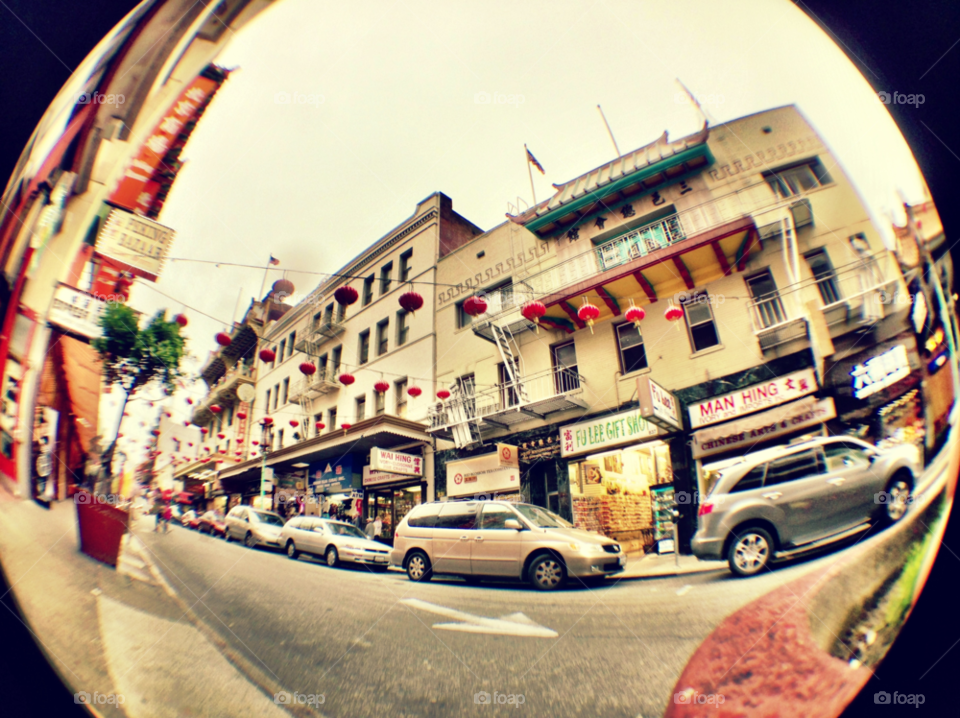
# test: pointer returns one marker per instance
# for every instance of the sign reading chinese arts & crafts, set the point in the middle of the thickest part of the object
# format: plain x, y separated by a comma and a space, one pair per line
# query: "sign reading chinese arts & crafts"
778, 390
610, 430
460, 483
372, 477
657, 405
744, 433
333, 475
393, 462
77, 312
881, 371
136, 243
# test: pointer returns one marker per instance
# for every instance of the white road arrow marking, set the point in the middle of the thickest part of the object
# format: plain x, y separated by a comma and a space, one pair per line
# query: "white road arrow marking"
515, 624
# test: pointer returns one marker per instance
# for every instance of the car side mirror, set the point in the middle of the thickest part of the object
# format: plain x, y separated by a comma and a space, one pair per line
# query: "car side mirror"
512, 524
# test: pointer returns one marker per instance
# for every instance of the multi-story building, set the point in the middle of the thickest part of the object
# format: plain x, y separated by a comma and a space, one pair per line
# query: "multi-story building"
343, 381
664, 313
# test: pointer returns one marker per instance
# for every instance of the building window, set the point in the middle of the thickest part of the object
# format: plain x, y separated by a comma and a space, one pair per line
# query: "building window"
276, 356
322, 367
498, 297
341, 312
385, 273
824, 274
383, 338
328, 315
317, 419
633, 356
332, 413
266, 404
767, 306
283, 348
400, 389
335, 360
286, 390
701, 327
361, 407
405, 269
379, 403
280, 439
402, 329
565, 367
229, 417
276, 396
368, 290
363, 353
508, 389
290, 342
799, 178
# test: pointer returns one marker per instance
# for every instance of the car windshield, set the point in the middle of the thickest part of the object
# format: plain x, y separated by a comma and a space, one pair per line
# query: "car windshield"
345, 530
266, 518
541, 518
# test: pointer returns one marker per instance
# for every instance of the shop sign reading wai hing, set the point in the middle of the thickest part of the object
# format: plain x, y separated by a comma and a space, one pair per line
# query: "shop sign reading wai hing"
608, 431
393, 462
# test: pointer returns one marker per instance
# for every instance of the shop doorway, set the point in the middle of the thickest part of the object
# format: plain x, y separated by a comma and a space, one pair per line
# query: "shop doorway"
543, 486
391, 505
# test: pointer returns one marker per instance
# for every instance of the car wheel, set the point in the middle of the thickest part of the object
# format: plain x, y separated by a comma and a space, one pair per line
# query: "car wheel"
418, 567
249, 541
750, 551
897, 499
332, 557
547, 572
292, 551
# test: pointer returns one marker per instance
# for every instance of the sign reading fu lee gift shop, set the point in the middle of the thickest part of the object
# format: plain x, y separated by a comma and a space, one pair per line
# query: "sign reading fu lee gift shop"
777, 390
610, 430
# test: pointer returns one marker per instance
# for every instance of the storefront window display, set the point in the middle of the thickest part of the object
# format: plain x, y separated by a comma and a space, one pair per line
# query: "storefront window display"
391, 505
902, 421
612, 491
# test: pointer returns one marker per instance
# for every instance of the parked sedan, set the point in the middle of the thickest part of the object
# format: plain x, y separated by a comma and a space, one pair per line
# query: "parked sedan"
780, 502
212, 523
189, 519
254, 527
336, 541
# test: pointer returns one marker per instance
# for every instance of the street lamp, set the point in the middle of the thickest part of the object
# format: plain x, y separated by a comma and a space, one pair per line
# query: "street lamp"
266, 441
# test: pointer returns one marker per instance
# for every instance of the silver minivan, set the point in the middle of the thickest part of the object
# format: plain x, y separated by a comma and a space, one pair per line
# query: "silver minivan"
500, 539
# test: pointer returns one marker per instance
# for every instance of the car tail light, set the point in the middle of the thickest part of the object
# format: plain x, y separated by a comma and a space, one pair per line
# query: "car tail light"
705, 509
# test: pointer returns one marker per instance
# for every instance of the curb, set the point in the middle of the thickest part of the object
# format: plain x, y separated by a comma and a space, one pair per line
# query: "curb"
247, 669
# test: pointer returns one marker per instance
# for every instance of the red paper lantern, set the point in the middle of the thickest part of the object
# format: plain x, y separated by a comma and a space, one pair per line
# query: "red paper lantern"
238, 453
119, 436
673, 313
181, 320
155, 432
294, 423
345, 427
186, 423
411, 301
347, 379
533, 311
215, 408
267, 355
267, 420
475, 306
381, 387
255, 443
241, 415
588, 313
443, 395
223, 339
635, 315
308, 368
346, 295
414, 391
204, 430
221, 436
321, 426
223, 451
169, 415
190, 444
189, 400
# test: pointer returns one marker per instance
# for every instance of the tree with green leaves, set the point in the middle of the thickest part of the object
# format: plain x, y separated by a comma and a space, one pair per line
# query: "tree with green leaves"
133, 358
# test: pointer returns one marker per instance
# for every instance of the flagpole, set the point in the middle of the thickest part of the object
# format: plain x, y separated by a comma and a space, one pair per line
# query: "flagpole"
693, 101
263, 284
526, 159
609, 131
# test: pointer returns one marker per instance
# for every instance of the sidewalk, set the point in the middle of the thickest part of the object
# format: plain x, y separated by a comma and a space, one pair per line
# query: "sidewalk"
115, 634
651, 565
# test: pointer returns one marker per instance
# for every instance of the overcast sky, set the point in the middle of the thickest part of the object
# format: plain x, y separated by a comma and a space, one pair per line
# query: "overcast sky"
383, 110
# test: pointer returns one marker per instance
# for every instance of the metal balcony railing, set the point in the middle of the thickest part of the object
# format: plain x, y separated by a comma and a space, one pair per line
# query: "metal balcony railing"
323, 382
546, 392
317, 335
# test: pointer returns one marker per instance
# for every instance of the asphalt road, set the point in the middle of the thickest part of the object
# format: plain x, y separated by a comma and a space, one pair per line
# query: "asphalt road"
347, 635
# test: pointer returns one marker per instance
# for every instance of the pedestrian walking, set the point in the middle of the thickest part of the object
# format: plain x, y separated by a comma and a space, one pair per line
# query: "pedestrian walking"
167, 515
370, 528
377, 527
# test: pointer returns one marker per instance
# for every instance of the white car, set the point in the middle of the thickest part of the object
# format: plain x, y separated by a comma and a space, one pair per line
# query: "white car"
254, 527
336, 541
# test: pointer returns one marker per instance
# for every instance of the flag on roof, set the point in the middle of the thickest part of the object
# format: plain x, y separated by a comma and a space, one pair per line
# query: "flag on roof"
533, 160
274, 261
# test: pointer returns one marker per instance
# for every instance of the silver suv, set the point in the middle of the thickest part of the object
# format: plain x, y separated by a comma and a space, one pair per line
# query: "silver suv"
500, 539
779, 502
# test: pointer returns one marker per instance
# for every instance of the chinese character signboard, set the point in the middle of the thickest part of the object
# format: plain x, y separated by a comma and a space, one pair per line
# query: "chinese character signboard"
881, 371
622, 428
657, 405
75, 311
393, 462
778, 390
333, 475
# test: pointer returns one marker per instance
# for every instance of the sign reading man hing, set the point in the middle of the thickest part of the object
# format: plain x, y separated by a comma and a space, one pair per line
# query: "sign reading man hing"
777, 390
